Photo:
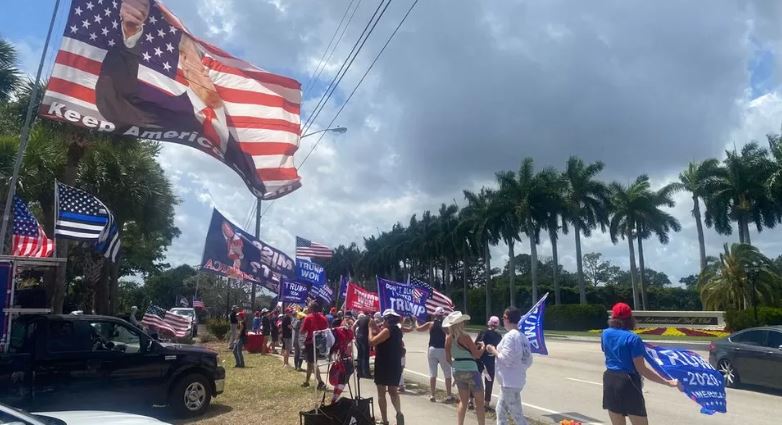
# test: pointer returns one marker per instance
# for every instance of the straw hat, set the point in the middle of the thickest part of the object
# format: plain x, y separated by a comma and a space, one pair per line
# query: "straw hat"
454, 318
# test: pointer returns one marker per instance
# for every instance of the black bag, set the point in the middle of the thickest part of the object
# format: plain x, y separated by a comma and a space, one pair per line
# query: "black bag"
345, 411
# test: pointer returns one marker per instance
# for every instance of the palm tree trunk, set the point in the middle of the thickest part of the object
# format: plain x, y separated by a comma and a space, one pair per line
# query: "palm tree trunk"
580, 266
511, 273
641, 279
446, 277
745, 229
533, 250
464, 281
553, 236
633, 270
696, 212
487, 274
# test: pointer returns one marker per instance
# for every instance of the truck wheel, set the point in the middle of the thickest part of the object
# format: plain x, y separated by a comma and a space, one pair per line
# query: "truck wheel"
190, 396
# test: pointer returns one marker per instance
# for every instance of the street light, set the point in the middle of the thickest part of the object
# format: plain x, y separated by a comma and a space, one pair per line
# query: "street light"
338, 130
753, 270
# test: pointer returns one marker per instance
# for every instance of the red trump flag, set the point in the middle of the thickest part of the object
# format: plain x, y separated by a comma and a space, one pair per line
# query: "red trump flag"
130, 67
358, 298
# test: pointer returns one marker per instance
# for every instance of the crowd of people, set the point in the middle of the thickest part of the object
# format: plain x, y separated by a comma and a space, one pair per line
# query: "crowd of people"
471, 365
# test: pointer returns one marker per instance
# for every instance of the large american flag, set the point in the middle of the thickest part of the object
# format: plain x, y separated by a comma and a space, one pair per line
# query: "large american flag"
259, 123
162, 320
29, 239
308, 249
437, 299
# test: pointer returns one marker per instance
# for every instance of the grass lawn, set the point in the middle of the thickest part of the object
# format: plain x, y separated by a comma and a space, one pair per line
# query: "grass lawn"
261, 393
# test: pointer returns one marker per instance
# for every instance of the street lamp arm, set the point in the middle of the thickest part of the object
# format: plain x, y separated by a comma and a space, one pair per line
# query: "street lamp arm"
339, 130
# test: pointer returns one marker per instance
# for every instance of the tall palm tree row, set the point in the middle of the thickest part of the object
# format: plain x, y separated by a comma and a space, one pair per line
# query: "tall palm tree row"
745, 187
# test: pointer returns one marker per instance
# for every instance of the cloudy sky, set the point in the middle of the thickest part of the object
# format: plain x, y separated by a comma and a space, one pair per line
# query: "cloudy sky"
468, 88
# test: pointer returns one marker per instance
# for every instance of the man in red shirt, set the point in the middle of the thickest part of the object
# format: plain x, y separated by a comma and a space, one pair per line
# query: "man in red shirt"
315, 321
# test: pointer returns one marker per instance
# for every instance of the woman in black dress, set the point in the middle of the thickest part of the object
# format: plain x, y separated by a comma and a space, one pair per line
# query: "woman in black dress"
388, 363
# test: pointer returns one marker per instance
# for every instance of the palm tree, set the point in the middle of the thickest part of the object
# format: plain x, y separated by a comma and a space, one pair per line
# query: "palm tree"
480, 219
552, 184
775, 181
586, 201
446, 244
727, 282
739, 192
9, 73
654, 220
509, 224
627, 205
693, 180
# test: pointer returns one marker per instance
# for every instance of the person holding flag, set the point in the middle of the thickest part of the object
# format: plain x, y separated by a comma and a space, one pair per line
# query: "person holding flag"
436, 354
513, 357
624, 358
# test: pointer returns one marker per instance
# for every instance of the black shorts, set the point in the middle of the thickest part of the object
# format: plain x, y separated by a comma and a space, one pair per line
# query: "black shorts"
309, 352
622, 393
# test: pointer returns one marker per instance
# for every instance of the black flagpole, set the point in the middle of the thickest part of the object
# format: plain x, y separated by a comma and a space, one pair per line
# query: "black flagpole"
25, 135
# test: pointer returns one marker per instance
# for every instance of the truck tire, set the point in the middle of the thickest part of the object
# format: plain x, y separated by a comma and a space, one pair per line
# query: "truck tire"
190, 396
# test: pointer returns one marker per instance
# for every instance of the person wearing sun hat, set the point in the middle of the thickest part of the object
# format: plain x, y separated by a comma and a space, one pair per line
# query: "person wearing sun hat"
388, 363
465, 354
625, 365
436, 354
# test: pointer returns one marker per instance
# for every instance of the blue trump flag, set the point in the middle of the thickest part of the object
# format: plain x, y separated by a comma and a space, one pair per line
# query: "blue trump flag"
232, 252
698, 379
307, 271
294, 292
343, 287
405, 299
531, 325
323, 293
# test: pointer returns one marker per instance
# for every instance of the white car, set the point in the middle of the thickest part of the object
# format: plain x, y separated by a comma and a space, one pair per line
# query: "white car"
11, 416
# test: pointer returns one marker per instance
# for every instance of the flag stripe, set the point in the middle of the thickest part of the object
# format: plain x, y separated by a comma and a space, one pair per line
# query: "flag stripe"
268, 148
234, 95
75, 90
86, 218
267, 123
78, 62
278, 173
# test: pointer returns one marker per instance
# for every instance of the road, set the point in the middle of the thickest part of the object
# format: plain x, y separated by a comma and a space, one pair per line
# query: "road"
567, 384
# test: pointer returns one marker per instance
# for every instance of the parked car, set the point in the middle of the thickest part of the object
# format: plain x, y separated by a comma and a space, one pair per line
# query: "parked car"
191, 313
79, 358
752, 356
9, 415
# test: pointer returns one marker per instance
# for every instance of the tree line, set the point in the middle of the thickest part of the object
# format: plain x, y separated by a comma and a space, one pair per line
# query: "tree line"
742, 189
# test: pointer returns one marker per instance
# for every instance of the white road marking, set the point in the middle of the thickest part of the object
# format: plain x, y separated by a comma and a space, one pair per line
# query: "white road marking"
585, 382
583, 419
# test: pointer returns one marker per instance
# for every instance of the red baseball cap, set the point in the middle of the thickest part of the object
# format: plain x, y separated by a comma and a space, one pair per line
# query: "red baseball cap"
621, 311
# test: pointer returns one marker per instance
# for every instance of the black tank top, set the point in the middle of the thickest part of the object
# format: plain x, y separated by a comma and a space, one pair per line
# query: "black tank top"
437, 335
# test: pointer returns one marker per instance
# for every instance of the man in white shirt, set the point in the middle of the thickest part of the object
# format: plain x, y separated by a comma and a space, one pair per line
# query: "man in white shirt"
513, 358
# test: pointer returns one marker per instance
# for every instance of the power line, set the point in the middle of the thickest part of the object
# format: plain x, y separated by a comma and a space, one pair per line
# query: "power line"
374, 61
321, 65
346, 64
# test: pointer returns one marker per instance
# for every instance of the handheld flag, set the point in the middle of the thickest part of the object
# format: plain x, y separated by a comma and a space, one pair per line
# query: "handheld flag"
531, 324
29, 239
406, 299
170, 322
436, 299
359, 299
132, 68
699, 380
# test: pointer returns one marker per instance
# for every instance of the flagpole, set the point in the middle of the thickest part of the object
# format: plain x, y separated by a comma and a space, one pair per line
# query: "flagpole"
24, 137
257, 236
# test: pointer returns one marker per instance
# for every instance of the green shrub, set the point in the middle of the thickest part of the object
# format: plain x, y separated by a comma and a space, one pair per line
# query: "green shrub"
575, 317
207, 337
218, 328
736, 320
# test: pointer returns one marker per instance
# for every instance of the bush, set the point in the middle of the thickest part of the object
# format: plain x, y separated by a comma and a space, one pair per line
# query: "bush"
218, 328
736, 320
207, 337
575, 317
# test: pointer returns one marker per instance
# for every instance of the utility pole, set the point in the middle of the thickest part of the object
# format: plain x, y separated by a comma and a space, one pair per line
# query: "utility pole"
257, 236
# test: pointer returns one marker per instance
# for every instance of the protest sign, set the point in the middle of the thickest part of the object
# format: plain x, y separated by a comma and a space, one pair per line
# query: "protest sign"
230, 251
531, 324
358, 298
698, 379
407, 300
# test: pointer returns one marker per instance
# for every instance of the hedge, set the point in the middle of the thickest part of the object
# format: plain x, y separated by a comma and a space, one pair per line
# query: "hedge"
575, 317
218, 328
736, 320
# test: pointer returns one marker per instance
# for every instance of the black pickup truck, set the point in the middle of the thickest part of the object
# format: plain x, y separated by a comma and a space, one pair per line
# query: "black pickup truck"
81, 360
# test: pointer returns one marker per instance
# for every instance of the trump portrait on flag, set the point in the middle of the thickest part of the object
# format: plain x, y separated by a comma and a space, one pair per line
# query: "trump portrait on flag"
131, 68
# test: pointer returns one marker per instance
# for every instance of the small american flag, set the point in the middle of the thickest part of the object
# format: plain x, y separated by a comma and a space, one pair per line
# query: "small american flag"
308, 249
437, 299
162, 320
29, 238
198, 303
255, 131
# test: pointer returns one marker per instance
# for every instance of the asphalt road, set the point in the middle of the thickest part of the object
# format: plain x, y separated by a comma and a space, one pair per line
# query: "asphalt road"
567, 384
